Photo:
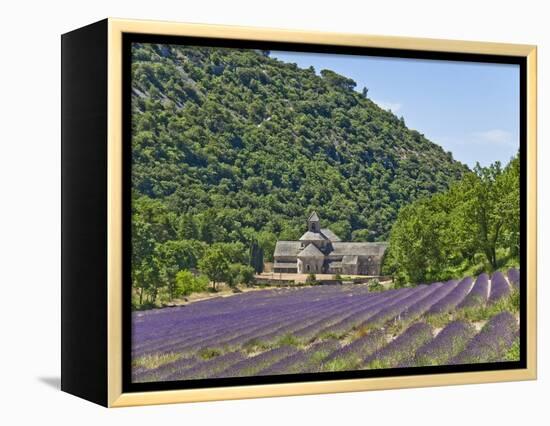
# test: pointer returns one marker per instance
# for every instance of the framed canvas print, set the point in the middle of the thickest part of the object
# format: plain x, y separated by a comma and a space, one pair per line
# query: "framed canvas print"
254, 212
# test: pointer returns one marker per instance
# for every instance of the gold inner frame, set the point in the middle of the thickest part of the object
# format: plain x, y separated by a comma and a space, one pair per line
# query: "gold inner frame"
116, 27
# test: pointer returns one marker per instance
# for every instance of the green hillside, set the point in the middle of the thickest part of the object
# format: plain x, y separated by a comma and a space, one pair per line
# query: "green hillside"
232, 149
246, 143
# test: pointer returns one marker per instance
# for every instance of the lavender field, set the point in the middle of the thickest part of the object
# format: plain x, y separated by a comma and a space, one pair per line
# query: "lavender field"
329, 328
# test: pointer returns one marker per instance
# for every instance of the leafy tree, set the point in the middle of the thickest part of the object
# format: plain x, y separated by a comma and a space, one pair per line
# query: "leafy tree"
187, 228
215, 265
142, 245
232, 276
438, 237
361, 235
338, 80
494, 211
266, 241
256, 257
174, 256
246, 275
187, 283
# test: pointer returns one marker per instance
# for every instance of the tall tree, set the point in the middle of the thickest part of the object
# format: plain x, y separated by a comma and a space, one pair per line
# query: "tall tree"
494, 212
434, 238
215, 265
256, 257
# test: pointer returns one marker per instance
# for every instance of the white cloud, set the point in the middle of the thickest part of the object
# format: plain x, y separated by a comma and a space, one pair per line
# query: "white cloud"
390, 106
496, 136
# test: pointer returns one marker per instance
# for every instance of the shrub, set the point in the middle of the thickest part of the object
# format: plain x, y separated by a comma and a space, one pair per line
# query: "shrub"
400, 281
187, 283
374, 285
240, 274
201, 283
246, 275
311, 279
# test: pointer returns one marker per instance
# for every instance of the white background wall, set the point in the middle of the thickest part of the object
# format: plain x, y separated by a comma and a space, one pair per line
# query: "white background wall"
30, 211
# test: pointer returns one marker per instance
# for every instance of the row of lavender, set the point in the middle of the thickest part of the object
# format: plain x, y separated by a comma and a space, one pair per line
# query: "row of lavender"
457, 343
336, 327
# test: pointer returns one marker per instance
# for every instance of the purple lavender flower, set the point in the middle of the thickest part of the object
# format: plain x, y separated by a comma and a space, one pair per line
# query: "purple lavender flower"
416, 310
451, 300
252, 365
207, 369
492, 342
398, 350
323, 348
513, 277
164, 370
499, 287
393, 310
350, 356
224, 329
317, 353
447, 344
290, 365
478, 294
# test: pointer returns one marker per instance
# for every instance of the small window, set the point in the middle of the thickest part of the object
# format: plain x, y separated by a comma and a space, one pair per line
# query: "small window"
307, 268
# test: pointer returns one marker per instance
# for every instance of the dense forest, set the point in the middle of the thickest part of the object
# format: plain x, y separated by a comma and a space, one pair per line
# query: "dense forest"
233, 148
471, 228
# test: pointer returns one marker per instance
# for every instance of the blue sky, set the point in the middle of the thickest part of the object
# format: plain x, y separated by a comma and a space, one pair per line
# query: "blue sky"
470, 109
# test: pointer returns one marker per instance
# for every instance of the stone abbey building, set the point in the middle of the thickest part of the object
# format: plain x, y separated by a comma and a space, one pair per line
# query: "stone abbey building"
320, 251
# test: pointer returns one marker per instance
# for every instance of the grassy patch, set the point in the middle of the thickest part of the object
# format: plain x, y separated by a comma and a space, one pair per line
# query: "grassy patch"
340, 364
477, 313
255, 346
331, 335
375, 286
362, 331
288, 340
509, 303
156, 360
209, 353
395, 328
319, 356
439, 320
379, 363
513, 353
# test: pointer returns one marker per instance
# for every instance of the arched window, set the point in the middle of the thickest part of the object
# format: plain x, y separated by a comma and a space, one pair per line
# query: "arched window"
307, 268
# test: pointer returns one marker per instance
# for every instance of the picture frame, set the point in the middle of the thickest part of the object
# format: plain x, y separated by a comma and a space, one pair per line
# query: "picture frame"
96, 288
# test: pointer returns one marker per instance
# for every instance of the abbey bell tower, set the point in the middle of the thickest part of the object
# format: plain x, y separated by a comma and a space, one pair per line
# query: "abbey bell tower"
313, 223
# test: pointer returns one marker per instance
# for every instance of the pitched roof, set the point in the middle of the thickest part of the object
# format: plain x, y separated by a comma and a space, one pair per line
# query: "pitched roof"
358, 249
287, 248
349, 260
312, 236
330, 235
313, 217
311, 251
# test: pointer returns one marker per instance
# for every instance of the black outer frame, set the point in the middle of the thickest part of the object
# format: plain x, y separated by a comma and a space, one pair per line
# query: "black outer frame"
84, 212
129, 38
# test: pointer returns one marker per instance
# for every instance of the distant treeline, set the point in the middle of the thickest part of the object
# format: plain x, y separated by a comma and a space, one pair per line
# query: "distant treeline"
472, 227
173, 256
